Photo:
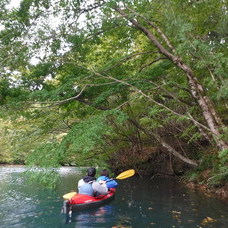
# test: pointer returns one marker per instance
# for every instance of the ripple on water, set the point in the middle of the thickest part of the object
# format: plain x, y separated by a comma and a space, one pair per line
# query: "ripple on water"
65, 171
12, 169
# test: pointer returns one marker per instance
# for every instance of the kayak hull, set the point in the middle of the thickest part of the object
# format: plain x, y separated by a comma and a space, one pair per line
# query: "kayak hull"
80, 201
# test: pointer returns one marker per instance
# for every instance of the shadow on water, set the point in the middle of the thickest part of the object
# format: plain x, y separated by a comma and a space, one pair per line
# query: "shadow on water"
158, 202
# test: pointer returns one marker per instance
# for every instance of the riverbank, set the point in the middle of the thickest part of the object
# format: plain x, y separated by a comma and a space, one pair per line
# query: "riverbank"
11, 165
219, 193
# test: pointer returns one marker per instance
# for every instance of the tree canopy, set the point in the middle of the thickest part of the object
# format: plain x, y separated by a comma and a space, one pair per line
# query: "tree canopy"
91, 80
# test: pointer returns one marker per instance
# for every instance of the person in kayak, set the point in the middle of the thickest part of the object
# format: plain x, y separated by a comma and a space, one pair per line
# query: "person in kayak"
85, 184
102, 185
88, 185
104, 179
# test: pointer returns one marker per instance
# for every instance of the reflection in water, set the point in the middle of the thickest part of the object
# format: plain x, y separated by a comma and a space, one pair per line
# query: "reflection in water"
164, 202
92, 217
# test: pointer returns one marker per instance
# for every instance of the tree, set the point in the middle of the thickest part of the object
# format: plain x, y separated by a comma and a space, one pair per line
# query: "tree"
122, 53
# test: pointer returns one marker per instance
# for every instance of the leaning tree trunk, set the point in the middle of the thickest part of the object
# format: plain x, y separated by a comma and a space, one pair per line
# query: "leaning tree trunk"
211, 117
168, 147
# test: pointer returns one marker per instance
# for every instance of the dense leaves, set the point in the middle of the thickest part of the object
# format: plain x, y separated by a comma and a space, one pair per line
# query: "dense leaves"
94, 80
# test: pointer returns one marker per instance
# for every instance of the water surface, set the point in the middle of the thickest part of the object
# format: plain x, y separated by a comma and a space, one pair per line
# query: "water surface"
158, 202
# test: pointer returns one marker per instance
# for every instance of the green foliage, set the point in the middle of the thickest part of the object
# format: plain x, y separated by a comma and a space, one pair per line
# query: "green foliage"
223, 91
87, 136
119, 69
46, 177
45, 156
192, 176
213, 170
220, 176
223, 158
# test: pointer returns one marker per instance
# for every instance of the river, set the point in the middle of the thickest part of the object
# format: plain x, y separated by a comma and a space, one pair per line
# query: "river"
157, 202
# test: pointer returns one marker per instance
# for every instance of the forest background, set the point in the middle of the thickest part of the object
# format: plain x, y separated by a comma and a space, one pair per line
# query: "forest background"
119, 84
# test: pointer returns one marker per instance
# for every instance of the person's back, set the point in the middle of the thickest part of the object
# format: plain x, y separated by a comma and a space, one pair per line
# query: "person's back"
85, 184
86, 189
104, 178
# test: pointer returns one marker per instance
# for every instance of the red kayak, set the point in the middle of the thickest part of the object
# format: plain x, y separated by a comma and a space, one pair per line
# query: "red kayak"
80, 201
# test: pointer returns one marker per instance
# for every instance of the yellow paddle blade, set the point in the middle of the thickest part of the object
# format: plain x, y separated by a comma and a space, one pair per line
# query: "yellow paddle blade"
69, 195
126, 174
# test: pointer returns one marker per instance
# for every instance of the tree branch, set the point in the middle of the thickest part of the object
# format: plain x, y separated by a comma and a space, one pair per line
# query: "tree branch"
150, 98
127, 58
149, 64
155, 27
62, 101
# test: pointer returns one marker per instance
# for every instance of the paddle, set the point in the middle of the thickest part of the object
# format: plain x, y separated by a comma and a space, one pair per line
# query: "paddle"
126, 174
123, 175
